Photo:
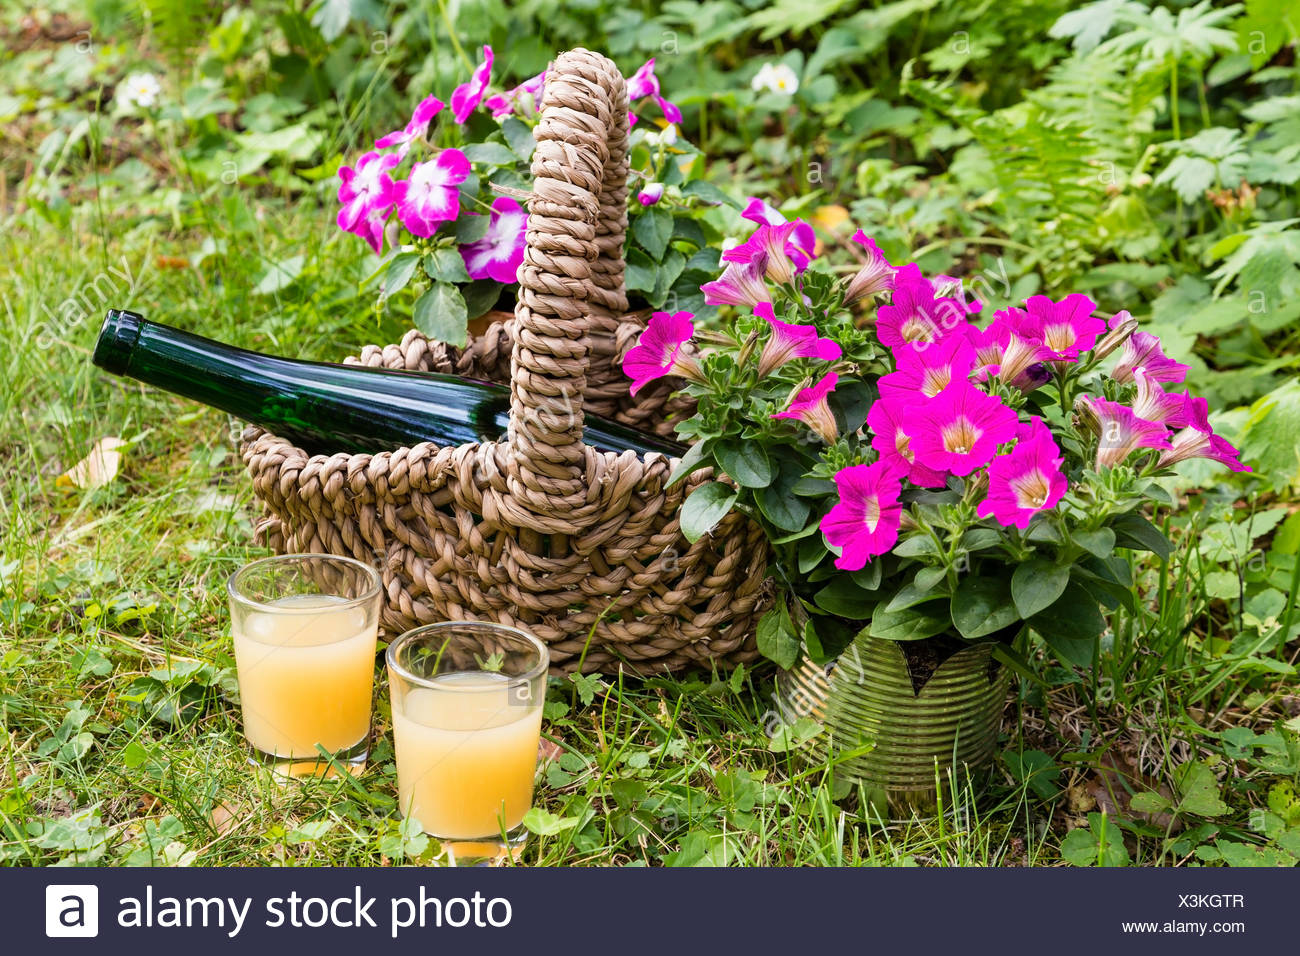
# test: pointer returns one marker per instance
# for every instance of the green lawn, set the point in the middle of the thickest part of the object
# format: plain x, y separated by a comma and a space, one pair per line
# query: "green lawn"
116, 681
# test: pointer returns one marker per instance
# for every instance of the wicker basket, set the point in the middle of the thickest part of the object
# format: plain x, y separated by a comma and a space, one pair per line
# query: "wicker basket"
539, 530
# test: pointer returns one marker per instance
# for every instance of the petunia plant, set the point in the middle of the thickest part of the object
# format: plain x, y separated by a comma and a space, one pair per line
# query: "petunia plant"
923, 472
442, 200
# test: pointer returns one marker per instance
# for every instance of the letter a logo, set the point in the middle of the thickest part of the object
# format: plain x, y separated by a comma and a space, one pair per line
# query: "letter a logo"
72, 910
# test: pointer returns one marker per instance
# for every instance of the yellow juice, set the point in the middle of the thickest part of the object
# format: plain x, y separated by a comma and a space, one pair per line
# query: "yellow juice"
466, 755
305, 677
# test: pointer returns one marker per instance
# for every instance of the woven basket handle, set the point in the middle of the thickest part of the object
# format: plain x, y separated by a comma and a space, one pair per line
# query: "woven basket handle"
571, 279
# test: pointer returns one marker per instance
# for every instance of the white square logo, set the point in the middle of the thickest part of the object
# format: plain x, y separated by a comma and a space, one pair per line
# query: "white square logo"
72, 909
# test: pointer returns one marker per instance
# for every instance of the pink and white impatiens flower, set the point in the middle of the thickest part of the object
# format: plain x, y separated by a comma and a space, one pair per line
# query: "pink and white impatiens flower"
500, 252
864, 523
658, 351
370, 227
1026, 480
810, 406
503, 104
789, 341
650, 194
645, 83
960, 429
430, 196
367, 193
424, 113
466, 97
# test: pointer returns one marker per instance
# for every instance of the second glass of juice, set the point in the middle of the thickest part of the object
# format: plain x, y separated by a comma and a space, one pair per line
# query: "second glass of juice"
305, 630
467, 716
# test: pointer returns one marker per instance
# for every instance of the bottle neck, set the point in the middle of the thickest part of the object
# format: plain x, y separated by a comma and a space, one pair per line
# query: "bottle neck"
186, 364
117, 340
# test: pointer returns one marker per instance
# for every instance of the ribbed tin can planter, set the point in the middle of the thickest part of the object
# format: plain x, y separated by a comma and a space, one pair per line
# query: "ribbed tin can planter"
923, 741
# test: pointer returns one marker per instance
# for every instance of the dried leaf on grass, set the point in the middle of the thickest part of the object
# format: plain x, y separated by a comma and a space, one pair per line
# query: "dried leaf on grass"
547, 750
223, 818
98, 468
1124, 792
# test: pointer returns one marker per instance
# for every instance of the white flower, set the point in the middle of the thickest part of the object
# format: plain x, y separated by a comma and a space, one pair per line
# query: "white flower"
730, 242
664, 137
140, 89
775, 78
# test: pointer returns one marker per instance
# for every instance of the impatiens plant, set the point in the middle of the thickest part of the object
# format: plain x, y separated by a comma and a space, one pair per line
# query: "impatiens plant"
921, 470
440, 200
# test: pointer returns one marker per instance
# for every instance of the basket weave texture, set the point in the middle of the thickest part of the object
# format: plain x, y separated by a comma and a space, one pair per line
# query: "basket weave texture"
539, 530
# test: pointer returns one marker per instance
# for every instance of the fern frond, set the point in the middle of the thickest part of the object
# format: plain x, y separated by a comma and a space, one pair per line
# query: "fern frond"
1104, 95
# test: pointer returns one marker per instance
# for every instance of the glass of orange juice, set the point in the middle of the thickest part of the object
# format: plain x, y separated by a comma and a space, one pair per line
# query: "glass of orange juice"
467, 718
305, 630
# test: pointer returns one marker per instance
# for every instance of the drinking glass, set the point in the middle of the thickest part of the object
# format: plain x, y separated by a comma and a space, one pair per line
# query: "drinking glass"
467, 716
305, 630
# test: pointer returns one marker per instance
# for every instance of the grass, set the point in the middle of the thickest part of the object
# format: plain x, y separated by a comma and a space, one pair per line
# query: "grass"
122, 742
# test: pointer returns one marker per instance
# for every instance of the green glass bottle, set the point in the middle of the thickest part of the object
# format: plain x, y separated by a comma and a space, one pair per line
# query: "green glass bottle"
326, 408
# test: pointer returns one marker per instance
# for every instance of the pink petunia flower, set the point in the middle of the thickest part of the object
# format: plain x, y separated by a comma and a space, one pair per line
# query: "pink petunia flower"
876, 276
890, 438
1067, 327
430, 195
921, 374
916, 315
1010, 351
802, 247
864, 522
366, 188
1154, 404
811, 407
651, 194
658, 351
1143, 349
768, 244
789, 341
1121, 432
741, 283
1026, 480
960, 429
503, 104
1192, 442
1122, 326
500, 252
951, 287
466, 97
424, 113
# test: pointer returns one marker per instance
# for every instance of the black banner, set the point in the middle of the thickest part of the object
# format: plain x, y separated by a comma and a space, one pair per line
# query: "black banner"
637, 910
